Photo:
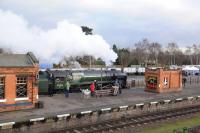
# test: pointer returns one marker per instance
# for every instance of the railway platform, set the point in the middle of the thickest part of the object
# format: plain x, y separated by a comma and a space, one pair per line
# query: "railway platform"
58, 104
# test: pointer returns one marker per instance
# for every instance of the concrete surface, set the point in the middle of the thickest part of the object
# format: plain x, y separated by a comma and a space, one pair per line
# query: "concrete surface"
58, 104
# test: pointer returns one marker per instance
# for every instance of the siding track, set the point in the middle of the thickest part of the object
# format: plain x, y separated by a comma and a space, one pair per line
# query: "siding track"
134, 121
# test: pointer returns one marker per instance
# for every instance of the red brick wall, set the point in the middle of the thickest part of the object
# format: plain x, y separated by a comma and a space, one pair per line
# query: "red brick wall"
173, 77
10, 87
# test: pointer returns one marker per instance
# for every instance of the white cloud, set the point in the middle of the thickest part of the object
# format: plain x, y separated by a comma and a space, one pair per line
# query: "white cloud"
179, 11
52, 44
144, 18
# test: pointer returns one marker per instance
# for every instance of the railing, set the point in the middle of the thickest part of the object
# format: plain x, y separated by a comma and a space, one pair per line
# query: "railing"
191, 81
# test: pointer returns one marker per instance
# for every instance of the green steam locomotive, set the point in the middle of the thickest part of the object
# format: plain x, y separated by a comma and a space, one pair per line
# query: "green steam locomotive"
79, 79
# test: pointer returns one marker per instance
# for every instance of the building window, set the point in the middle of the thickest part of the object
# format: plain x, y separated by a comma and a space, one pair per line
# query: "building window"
21, 86
165, 81
2, 87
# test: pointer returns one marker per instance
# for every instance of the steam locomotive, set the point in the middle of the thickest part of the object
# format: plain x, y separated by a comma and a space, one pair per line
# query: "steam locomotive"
79, 79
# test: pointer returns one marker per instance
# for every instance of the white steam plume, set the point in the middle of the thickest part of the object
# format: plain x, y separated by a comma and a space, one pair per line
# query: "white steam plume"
53, 44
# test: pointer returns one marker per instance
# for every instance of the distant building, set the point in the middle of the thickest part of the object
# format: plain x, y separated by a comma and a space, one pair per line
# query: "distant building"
190, 70
159, 80
18, 81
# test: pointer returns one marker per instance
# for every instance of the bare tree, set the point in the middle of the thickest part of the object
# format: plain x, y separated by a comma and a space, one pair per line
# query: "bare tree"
3, 51
152, 53
172, 49
179, 56
124, 57
154, 50
189, 52
196, 53
141, 51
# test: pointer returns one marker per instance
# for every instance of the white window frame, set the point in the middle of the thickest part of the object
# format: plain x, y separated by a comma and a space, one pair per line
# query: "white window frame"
26, 97
3, 100
21, 98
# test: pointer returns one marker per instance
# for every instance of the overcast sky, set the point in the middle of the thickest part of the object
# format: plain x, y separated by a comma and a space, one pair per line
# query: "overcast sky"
123, 22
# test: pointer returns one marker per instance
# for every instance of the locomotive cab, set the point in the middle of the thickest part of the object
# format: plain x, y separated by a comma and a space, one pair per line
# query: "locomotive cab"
59, 79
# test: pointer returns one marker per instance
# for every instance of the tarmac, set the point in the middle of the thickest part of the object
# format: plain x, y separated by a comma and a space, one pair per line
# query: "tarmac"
58, 104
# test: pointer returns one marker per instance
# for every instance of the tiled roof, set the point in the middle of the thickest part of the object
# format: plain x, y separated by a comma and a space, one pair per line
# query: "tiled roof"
18, 60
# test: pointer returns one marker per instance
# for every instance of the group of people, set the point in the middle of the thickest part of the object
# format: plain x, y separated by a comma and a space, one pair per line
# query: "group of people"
93, 86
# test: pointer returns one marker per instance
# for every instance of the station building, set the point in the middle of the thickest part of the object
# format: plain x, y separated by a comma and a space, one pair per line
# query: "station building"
18, 81
160, 80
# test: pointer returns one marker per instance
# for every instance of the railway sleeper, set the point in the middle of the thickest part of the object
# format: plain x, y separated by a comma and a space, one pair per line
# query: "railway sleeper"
139, 120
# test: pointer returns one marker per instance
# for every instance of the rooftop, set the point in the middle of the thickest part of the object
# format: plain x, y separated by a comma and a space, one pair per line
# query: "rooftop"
18, 60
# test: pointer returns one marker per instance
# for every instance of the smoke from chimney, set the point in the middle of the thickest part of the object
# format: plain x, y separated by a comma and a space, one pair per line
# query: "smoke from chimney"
53, 44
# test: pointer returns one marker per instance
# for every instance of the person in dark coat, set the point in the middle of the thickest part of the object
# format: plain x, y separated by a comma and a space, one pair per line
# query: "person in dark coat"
50, 87
184, 81
118, 85
95, 85
67, 86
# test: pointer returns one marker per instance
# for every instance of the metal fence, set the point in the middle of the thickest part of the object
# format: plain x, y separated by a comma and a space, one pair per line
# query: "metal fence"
191, 81
139, 81
136, 81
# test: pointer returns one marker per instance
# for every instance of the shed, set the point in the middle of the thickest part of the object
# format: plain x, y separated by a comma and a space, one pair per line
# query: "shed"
159, 80
18, 81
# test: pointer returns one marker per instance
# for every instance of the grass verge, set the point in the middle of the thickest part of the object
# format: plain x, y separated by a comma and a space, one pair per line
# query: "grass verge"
170, 126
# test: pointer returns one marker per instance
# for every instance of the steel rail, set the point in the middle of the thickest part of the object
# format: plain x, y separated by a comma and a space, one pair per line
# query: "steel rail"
135, 120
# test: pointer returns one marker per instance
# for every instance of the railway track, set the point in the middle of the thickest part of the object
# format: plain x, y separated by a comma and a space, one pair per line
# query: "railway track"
134, 121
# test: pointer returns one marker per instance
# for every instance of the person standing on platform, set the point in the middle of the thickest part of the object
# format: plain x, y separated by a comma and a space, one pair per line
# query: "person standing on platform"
92, 88
118, 85
95, 85
184, 81
67, 86
50, 87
